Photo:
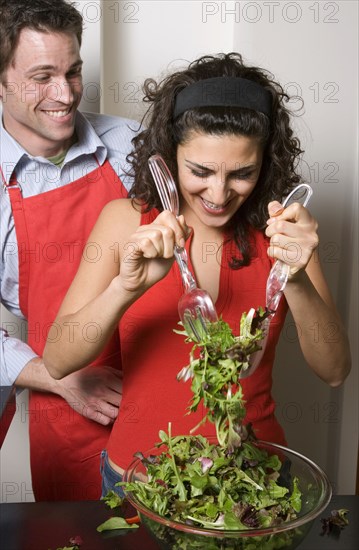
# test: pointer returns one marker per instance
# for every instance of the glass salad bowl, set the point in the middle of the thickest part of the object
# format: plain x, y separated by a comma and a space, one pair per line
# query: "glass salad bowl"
175, 535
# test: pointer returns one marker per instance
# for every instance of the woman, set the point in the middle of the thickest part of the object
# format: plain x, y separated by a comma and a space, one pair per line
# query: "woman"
223, 129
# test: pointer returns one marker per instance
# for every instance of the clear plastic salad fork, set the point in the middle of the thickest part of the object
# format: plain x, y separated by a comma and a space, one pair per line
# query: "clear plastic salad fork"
277, 279
195, 307
279, 273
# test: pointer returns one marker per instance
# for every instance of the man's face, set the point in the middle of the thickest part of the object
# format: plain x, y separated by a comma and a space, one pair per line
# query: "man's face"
41, 91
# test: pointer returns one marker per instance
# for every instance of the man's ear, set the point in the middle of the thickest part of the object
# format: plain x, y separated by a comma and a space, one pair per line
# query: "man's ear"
3, 89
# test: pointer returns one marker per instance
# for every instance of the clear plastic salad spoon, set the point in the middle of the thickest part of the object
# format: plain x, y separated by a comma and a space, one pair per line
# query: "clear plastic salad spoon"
277, 280
195, 307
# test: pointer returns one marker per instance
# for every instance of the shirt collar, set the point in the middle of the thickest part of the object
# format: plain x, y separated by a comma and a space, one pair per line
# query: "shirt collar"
88, 143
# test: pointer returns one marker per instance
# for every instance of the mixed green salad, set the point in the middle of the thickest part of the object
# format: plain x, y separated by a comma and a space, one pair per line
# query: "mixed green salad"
198, 482
232, 483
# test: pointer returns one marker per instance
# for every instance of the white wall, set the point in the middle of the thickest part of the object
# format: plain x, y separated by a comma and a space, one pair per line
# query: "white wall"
147, 38
312, 48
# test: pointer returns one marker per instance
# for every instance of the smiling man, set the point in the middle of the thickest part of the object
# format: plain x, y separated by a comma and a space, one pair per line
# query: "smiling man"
41, 94
58, 168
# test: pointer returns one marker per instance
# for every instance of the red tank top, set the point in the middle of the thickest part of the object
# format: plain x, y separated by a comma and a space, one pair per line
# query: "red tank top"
152, 355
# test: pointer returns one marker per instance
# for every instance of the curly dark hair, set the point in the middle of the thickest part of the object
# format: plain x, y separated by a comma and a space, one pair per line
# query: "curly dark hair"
38, 15
163, 134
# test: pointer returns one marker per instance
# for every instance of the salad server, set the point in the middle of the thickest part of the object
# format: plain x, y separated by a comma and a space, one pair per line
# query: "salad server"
195, 307
277, 280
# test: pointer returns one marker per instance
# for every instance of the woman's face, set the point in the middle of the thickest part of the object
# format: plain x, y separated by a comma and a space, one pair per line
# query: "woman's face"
216, 175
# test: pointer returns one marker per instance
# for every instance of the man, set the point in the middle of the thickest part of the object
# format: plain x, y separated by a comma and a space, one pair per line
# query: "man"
58, 168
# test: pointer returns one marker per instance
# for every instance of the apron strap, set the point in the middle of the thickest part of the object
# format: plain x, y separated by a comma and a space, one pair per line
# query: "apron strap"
12, 180
13, 188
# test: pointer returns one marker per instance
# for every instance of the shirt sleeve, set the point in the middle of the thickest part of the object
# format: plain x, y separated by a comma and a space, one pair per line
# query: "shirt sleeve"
15, 355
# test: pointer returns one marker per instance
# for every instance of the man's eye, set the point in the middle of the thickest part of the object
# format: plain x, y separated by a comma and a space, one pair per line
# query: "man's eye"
41, 77
76, 73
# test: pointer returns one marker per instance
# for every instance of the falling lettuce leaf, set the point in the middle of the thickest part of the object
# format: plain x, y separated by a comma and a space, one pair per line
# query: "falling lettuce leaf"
215, 366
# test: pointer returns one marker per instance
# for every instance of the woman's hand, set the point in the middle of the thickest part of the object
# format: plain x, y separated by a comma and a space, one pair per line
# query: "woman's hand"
148, 255
293, 235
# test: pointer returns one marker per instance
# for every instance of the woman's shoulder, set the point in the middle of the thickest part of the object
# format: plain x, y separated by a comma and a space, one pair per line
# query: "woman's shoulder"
124, 216
129, 210
124, 206
119, 218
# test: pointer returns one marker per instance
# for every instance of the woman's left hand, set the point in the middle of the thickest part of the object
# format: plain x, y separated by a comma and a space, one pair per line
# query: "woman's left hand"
293, 235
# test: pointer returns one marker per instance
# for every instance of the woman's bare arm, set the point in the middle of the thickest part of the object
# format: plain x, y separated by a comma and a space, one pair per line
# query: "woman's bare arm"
129, 259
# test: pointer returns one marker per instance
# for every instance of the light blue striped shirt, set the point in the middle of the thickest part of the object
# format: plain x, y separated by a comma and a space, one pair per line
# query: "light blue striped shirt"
100, 135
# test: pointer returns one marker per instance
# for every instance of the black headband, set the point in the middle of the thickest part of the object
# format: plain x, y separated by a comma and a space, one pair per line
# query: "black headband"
224, 91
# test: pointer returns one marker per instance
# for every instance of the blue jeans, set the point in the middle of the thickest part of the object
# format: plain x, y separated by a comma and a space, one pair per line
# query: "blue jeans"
109, 476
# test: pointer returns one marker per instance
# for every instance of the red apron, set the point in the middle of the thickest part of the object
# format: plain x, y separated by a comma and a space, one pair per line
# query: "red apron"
52, 229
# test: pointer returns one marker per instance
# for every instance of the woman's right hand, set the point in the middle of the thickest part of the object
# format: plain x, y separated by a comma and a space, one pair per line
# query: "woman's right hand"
149, 253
